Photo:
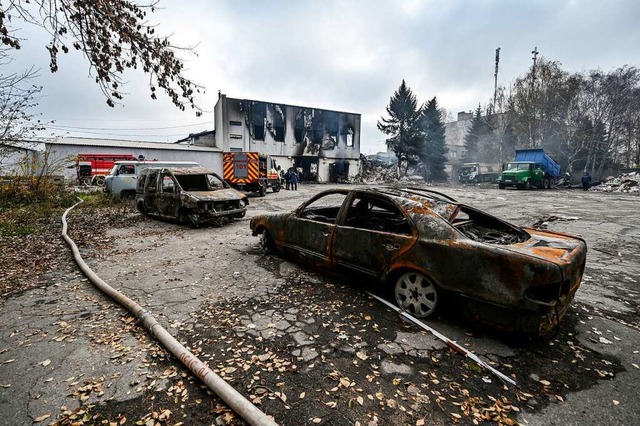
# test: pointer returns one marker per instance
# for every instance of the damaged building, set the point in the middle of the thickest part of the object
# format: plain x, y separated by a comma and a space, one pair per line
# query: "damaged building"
323, 145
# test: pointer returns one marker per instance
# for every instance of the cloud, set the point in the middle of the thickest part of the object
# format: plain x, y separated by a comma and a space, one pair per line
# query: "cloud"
352, 55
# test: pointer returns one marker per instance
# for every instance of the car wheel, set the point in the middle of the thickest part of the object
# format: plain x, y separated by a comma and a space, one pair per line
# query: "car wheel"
266, 242
416, 294
276, 187
141, 208
263, 190
501, 186
194, 220
547, 184
527, 185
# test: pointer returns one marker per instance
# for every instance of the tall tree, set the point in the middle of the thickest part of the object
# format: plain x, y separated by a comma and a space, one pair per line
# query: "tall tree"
18, 97
435, 152
113, 35
403, 125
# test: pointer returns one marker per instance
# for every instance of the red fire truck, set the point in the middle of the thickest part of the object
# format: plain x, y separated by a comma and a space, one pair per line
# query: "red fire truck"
251, 171
93, 168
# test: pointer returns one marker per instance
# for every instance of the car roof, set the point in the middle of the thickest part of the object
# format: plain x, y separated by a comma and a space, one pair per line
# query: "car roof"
414, 200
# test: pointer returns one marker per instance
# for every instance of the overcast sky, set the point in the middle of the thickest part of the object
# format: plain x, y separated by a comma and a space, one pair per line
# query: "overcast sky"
344, 55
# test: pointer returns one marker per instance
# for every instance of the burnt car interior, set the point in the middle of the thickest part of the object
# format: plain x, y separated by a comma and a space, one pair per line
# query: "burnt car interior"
486, 229
376, 215
324, 209
200, 182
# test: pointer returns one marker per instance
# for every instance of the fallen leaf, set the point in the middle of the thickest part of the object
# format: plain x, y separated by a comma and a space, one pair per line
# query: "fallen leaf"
545, 382
41, 418
616, 402
45, 362
302, 395
316, 420
360, 400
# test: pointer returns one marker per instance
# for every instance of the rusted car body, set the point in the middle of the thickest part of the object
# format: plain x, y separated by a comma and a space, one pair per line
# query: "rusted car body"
193, 195
423, 244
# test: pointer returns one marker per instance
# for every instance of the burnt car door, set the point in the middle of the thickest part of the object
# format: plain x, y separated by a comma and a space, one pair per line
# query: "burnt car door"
150, 191
169, 196
373, 234
308, 232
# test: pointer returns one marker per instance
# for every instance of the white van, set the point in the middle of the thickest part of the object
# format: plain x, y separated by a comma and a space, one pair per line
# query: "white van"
124, 175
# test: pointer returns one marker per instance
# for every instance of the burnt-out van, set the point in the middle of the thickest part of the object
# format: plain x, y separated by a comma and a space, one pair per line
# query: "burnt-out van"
124, 175
192, 195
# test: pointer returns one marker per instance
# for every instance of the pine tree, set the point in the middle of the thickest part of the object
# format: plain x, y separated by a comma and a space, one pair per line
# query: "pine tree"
435, 151
472, 137
403, 124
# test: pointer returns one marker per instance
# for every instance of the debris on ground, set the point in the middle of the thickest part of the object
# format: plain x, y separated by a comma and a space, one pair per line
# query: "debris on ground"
627, 182
543, 221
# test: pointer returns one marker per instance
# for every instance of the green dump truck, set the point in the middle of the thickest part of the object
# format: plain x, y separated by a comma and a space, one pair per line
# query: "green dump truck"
531, 168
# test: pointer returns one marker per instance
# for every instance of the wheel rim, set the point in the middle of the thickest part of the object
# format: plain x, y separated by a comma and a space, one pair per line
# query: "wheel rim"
416, 294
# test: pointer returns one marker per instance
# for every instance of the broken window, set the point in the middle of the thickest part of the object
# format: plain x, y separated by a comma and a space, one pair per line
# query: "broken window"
324, 209
168, 185
151, 182
376, 215
346, 131
258, 120
276, 122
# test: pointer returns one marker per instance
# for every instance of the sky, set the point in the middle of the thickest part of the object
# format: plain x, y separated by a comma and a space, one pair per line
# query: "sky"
346, 55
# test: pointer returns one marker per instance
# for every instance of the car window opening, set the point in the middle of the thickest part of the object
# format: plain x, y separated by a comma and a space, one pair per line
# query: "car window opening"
485, 229
377, 215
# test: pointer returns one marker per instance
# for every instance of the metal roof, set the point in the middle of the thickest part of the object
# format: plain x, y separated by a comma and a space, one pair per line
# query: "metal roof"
115, 143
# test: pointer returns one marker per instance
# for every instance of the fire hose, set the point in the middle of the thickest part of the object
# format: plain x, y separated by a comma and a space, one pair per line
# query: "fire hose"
238, 403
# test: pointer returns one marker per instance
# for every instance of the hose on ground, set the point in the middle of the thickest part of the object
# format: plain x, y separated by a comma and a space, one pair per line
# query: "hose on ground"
238, 403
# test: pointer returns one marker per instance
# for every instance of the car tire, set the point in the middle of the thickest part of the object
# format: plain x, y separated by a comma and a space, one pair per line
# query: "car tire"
527, 185
141, 208
416, 294
194, 220
547, 184
276, 187
266, 242
501, 186
263, 190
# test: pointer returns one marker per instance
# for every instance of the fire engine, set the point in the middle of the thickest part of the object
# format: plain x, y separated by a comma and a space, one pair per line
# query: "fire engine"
93, 168
251, 171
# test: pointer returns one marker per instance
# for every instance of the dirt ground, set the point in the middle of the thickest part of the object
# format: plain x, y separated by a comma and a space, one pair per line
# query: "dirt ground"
307, 348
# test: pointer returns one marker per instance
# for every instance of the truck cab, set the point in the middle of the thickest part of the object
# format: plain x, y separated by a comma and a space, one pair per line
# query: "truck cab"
531, 168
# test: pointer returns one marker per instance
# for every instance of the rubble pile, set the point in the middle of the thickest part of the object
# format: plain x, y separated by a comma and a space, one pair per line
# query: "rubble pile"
372, 172
628, 182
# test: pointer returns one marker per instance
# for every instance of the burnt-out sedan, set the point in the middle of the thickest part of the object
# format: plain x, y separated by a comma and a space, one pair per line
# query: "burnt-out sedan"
421, 244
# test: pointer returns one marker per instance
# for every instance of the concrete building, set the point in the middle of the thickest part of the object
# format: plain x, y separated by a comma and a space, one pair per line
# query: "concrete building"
454, 133
323, 145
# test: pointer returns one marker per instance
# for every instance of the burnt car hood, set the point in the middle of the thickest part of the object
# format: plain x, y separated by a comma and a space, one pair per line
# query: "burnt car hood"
218, 195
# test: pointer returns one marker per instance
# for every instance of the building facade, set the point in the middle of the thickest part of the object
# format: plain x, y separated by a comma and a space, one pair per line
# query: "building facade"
323, 145
454, 133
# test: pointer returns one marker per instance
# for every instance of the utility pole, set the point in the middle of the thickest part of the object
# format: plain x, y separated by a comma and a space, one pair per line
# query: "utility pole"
495, 80
534, 52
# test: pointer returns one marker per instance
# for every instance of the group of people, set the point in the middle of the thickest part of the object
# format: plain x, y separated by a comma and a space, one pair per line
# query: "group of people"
290, 179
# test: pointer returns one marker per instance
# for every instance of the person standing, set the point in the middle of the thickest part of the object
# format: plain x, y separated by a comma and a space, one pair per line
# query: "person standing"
287, 177
586, 181
293, 179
